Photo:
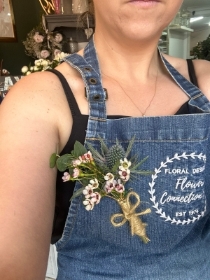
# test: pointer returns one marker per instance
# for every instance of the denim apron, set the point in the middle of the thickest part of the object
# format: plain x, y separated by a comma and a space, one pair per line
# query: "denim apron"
178, 193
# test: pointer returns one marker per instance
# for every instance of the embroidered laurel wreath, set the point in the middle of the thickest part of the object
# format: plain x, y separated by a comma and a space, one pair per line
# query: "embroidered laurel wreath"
105, 175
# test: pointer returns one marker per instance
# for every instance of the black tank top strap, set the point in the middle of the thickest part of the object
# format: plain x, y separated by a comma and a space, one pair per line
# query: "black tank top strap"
68, 92
191, 71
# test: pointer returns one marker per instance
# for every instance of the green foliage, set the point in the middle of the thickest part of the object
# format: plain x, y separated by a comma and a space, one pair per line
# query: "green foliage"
79, 150
104, 148
63, 162
77, 193
129, 147
202, 50
53, 159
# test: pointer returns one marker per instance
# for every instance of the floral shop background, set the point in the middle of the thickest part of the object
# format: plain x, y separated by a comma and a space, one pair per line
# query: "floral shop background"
27, 14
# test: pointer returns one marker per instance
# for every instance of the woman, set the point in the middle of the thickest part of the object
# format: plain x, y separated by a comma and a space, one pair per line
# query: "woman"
148, 92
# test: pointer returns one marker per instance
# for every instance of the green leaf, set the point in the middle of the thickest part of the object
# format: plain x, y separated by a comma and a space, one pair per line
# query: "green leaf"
130, 145
63, 162
140, 163
104, 148
95, 153
79, 149
53, 159
77, 193
143, 172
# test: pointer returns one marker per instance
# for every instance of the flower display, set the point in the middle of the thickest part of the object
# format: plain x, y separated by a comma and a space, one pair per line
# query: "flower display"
104, 175
40, 43
44, 64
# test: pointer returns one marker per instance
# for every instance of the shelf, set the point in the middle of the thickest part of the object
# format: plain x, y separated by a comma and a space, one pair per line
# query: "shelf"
70, 20
163, 42
180, 28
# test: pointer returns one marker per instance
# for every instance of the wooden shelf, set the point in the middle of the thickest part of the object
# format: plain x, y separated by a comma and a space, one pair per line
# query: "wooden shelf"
71, 20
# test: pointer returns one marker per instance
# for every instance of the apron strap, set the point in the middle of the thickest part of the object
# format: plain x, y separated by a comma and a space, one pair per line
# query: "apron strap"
198, 101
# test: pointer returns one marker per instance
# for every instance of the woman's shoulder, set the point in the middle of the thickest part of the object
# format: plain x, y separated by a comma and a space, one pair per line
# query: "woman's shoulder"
40, 96
37, 91
202, 71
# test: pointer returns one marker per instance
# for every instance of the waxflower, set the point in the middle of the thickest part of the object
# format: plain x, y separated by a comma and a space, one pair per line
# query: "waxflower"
125, 164
94, 183
88, 191
76, 173
87, 157
124, 174
109, 186
119, 187
76, 162
109, 177
66, 177
88, 204
95, 197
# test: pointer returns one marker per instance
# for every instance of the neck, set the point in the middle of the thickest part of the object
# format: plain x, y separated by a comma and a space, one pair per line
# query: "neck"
133, 60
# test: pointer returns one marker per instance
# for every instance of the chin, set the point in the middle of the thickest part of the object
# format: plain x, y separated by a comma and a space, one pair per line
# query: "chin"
137, 32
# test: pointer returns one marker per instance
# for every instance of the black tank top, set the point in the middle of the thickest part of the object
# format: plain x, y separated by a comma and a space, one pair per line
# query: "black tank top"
65, 190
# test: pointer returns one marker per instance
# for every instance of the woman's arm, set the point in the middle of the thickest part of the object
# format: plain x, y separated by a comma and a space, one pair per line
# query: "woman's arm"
29, 134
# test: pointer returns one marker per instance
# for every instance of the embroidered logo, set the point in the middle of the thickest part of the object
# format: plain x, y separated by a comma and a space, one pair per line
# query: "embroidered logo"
177, 188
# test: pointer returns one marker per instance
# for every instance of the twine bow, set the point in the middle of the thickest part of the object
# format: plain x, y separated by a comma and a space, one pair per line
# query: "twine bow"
129, 214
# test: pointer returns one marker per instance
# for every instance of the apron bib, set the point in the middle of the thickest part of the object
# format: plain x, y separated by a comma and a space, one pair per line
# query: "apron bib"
177, 193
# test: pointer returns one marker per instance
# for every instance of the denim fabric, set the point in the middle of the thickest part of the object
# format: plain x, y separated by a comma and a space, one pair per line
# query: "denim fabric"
178, 193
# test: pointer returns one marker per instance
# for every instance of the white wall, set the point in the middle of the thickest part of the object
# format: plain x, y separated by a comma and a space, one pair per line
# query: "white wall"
179, 43
199, 35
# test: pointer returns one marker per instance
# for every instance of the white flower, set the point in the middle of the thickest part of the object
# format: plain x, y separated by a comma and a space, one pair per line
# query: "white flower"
76, 162
125, 164
76, 172
46, 67
24, 69
95, 197
44, 62
88, 191
66, 177
36, 68
109, 186
94, 183
31, 68
119, 187
38, 62
109, 177
60, 56
86, 157
28, 73
88, 204
124, 174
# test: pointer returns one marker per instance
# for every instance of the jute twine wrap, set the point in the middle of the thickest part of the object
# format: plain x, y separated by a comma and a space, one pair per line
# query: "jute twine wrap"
130, 215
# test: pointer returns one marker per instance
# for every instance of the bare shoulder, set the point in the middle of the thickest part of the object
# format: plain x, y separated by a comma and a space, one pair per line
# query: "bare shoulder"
41, 96
202, 71
36, 89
